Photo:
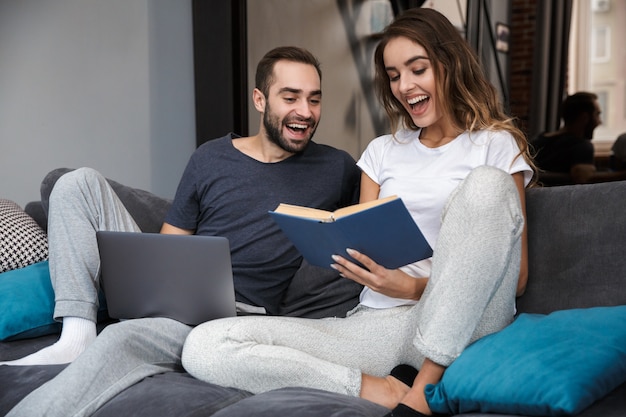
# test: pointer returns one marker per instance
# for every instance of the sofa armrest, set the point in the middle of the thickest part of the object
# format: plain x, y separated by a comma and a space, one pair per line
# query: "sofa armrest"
35, 210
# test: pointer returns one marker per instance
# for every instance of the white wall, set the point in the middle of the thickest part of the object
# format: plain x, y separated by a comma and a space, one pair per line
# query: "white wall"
106, 84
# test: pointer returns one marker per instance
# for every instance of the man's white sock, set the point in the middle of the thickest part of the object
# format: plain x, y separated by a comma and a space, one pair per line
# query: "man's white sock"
76, 334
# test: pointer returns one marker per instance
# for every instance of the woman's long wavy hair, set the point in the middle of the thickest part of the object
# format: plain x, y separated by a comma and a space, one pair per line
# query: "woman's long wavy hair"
462, 91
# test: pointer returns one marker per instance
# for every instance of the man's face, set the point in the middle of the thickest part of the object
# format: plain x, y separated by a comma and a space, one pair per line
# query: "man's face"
594, 120
293, 106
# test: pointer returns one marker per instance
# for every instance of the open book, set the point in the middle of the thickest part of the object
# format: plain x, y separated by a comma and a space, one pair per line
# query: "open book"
381, 229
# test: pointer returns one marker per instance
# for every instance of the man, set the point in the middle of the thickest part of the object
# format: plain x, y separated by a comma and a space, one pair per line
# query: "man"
569, 149
227, 189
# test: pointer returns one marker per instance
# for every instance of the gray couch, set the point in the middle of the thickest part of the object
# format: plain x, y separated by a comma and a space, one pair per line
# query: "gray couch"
577, 242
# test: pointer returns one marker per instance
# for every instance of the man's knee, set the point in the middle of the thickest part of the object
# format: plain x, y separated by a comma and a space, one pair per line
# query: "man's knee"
74, 178
75, 181
77, 178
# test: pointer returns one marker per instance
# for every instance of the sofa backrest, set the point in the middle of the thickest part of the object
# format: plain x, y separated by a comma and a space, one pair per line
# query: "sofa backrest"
576, 241
577, 247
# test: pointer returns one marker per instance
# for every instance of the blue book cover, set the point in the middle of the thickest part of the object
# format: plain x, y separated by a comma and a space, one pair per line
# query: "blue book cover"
382, 229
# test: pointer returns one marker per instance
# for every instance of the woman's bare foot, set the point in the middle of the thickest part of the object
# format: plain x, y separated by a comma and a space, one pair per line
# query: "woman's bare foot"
430, 373
416, 399
386, 391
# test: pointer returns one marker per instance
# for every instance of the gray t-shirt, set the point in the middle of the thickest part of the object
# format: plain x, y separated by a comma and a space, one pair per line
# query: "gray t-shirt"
224, 192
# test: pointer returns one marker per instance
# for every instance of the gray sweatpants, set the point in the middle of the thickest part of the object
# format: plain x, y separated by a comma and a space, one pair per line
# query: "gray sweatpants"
471, 293
122, 355
81, 203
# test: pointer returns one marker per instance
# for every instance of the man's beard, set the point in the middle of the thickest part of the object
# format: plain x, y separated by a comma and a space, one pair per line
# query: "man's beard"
273, 126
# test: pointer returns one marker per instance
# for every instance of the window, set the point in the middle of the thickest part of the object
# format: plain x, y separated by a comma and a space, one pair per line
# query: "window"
601, 44
597, 63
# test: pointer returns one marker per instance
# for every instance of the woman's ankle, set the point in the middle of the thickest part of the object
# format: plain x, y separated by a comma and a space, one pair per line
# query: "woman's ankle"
386, 391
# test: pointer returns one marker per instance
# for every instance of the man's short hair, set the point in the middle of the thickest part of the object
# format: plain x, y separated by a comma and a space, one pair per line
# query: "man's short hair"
576, 104
265, 69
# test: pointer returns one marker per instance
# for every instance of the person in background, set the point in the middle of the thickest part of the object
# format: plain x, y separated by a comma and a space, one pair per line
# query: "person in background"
461, 167
569, 150
618, 158
227, 189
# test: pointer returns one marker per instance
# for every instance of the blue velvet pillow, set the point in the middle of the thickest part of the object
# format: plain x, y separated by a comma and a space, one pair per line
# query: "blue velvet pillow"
540, 365
26, 303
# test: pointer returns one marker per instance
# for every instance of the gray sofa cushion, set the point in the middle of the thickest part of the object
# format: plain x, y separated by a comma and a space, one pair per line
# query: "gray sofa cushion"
577, 247
19, 381
171, 394
302, 402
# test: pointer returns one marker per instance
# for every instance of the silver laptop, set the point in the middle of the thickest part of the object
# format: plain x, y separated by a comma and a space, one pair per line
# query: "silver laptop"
186, 278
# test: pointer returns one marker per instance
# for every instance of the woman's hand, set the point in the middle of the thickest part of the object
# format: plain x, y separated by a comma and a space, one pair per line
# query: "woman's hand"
390, 282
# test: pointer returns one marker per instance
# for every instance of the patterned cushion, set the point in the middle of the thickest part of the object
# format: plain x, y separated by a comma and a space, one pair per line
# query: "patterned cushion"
22, 241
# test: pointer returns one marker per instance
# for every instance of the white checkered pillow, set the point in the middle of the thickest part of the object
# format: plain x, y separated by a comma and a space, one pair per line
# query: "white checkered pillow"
22, 241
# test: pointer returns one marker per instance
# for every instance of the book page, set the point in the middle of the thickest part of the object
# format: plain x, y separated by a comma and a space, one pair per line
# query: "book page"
346, 211
327, 216
306, 212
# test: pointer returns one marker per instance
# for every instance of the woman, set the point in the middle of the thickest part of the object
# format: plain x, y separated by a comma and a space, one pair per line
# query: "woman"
460, 166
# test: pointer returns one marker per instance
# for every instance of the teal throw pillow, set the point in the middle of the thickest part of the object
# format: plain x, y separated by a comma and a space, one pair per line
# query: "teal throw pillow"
540, 365
26, 303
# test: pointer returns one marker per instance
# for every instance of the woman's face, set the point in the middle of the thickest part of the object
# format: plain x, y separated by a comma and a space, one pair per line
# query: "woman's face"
412, 79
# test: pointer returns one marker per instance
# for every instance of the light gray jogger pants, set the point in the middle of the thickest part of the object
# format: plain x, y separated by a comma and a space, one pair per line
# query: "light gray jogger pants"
471, 293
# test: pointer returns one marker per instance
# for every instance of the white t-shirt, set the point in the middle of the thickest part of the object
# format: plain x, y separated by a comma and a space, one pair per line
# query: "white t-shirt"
424, 178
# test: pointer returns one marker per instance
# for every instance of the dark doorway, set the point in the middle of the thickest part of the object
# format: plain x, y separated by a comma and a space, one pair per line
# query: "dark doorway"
220, 68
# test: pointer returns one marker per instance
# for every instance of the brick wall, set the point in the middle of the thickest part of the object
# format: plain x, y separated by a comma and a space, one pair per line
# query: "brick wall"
523, 17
